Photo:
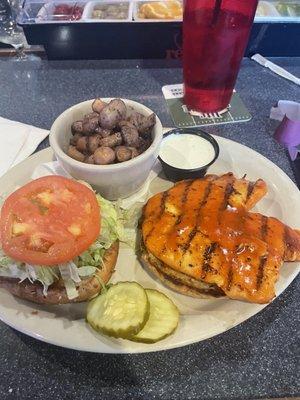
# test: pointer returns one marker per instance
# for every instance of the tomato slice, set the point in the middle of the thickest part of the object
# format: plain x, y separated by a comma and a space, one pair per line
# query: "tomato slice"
49, 221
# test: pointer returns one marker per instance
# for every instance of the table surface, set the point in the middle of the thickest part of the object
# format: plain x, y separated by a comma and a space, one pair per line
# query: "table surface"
257, 359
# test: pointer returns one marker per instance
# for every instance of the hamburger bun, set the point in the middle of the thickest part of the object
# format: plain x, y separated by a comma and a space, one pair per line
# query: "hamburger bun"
178, 281
57, 294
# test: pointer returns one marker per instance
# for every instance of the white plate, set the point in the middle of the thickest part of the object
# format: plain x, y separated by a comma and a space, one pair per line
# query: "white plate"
200, 319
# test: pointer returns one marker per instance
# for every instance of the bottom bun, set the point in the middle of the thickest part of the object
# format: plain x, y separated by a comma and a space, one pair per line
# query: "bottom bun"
57, 294
178, 281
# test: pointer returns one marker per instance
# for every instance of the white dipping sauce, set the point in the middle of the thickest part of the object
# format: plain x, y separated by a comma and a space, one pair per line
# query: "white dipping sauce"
186, 151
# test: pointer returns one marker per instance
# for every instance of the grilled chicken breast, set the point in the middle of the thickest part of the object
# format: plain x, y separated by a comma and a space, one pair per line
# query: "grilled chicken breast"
203, 232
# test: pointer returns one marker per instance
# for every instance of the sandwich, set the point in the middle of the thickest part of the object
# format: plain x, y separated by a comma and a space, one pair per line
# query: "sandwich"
200, 239
59, 241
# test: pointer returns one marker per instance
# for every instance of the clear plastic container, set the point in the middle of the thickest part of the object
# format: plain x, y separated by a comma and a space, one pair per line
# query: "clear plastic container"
108, 11
60, 11
288, 8
38, 11
266, 9
278, 11
154, 13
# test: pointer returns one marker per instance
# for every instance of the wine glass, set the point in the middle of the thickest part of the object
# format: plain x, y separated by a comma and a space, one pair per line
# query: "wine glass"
10, 32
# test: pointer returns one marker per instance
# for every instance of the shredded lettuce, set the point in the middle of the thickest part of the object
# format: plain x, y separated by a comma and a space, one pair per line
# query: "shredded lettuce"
113, 221
14, 269
112, 229
86, 271
70, 275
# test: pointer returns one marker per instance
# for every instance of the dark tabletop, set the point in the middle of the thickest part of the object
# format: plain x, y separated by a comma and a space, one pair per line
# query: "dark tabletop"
259, 358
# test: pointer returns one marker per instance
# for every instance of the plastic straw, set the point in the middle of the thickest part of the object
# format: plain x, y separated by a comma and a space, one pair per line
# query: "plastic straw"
217, 9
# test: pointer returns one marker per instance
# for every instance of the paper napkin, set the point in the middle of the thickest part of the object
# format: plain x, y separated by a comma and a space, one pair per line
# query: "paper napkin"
288, 131
17, 142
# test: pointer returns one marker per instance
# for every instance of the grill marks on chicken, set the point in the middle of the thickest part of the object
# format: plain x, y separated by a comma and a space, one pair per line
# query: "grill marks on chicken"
203, 228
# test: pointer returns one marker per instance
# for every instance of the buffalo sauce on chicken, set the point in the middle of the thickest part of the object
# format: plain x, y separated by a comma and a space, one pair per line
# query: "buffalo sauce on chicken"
203, 228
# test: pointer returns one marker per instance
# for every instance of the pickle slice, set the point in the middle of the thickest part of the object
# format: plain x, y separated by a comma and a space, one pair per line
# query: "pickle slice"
163, 318
120, 312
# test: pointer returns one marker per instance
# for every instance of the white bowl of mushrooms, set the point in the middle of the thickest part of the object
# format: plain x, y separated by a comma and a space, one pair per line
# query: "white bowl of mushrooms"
110, 143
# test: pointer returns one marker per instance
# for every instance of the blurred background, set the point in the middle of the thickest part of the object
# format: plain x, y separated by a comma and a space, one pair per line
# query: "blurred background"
112, 29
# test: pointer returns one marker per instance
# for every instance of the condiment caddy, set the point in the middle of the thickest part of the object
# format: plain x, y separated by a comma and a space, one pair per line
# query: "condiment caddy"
96, 29
39, 11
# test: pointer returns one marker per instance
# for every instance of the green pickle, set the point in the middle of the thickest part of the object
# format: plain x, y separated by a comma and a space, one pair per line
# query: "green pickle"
121, 311
163, 318
128, 311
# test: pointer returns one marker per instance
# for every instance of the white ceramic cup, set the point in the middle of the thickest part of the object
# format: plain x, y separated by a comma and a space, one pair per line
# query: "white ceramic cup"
112, 181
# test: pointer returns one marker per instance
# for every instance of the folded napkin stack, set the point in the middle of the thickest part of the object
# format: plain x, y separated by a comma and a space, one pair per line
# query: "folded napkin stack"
17, 142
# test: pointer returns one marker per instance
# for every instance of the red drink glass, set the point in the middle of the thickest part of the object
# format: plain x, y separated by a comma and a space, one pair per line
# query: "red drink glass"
215, 35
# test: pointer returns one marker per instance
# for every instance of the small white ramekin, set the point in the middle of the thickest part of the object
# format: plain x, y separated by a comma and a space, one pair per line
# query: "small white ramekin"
112, 181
